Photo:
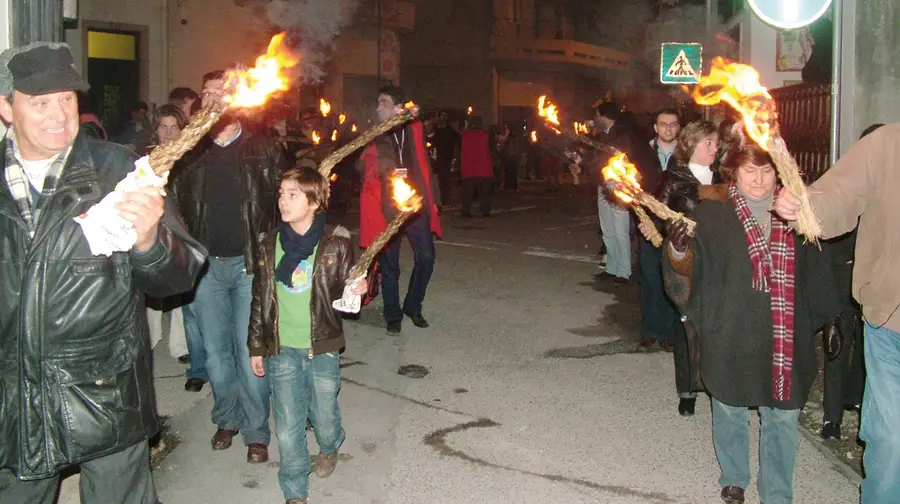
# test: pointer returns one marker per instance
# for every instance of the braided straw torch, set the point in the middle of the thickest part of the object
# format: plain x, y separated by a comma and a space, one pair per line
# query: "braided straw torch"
408, 203
105, 231
244, 88
738, 85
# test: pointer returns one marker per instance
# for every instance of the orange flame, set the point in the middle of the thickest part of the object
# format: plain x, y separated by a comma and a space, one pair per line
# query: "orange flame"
549, 112
581, 128
534, 137
253, 86
342, 118
620, 170
738, 85
334, 136
316, 138
353, 128
333, 177
403, 195
469, 111
324, 107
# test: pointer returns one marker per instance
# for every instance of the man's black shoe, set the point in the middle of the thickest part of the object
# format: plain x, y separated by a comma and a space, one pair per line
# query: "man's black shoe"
418, 320
194, 385
394, 327
184, 359
686, 406
830, 430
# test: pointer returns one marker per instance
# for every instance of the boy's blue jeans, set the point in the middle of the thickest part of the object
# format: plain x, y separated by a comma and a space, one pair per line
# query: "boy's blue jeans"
303, 388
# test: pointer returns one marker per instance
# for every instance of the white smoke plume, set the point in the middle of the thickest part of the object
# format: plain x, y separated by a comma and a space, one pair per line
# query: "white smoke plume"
312, 26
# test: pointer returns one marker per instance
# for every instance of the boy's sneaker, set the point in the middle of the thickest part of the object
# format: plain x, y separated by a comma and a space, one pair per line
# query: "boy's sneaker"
325, 464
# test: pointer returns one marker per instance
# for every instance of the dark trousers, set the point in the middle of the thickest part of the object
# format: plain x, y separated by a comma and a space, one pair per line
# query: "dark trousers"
123, 478
484, 186
442, 170
659, 316
511, 172
845, 375
418, 231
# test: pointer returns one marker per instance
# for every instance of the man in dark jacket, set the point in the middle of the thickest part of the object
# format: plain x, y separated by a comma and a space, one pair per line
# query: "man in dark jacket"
227, 197
75, 378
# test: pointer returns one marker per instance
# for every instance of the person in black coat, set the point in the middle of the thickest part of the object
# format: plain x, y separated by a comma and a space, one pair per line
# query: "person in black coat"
679, 188
756, 296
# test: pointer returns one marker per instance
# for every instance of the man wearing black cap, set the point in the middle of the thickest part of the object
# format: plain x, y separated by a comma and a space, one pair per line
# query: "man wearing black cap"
75, 376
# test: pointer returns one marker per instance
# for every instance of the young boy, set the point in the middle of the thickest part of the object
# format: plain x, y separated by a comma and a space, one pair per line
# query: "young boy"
295, 335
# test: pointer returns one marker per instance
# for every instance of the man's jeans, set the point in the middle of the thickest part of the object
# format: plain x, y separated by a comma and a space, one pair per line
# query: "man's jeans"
196, 352
418, 231
615, 224
880, 427
777, 449
304, 388
221, 308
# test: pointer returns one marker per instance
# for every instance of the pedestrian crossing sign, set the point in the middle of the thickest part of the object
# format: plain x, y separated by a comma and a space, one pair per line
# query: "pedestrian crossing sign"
680, 63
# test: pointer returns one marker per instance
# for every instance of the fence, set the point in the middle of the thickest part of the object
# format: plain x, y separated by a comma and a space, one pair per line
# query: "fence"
804, 114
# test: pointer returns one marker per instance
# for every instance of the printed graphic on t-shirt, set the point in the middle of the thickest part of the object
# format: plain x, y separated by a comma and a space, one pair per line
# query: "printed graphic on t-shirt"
302, 277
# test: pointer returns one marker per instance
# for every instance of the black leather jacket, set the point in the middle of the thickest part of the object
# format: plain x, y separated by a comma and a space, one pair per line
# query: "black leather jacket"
262, 161
75, 372
678, 188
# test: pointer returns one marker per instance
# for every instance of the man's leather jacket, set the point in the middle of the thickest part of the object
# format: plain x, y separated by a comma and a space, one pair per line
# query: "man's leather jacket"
262, 161
331, 266
75, 372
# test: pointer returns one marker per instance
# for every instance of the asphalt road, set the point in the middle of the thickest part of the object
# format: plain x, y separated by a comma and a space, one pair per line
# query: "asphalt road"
531, 393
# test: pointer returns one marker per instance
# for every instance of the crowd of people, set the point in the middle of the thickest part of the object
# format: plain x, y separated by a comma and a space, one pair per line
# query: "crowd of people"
238, 261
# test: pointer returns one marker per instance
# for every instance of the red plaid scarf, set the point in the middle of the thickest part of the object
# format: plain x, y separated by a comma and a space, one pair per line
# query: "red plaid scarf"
773, 272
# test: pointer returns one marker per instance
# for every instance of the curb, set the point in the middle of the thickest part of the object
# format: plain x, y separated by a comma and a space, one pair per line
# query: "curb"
842, 467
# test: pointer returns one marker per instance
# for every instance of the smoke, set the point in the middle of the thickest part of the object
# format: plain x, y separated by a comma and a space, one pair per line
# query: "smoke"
312, 26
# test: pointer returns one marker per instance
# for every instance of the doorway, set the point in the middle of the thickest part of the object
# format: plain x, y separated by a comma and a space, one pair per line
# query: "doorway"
114, 72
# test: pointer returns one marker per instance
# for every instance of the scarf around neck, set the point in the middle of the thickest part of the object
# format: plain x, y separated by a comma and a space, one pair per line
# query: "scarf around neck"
297, 247
774, 270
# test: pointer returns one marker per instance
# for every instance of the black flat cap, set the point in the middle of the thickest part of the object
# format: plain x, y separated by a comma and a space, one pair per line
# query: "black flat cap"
40, 68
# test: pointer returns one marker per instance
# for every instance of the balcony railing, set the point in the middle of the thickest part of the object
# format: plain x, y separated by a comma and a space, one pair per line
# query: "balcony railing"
804, 116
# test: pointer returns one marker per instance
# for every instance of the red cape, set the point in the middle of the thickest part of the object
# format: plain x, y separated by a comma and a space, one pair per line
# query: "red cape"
371, 213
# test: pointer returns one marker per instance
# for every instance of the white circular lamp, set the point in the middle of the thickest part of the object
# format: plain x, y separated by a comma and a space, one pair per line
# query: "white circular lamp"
789, 14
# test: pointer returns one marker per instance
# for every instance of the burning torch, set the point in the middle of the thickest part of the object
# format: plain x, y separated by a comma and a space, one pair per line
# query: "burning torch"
408, 202
738, 85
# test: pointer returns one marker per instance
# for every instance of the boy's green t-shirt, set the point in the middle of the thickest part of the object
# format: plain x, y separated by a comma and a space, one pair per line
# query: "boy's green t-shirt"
294, 320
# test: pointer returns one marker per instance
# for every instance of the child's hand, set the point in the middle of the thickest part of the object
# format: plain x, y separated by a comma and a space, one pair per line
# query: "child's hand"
359, 287
256, 363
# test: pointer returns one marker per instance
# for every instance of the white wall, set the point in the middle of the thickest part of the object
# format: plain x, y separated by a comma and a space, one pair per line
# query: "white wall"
147, 13
206, 35
760, 40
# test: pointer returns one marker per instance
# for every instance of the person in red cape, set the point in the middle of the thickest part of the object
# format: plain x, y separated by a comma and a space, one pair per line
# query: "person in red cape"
399, 153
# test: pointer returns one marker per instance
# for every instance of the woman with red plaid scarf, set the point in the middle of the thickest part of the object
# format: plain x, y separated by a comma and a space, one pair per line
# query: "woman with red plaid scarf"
751, 288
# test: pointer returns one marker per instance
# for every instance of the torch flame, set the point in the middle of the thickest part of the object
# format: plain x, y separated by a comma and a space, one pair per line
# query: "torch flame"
469, 111
581, 128
251, 87
620, 170
403, 195
342, 118
549, 112
534, 137
324, 107
316, 138
353, 128
333, 177
334, 136
738, 85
